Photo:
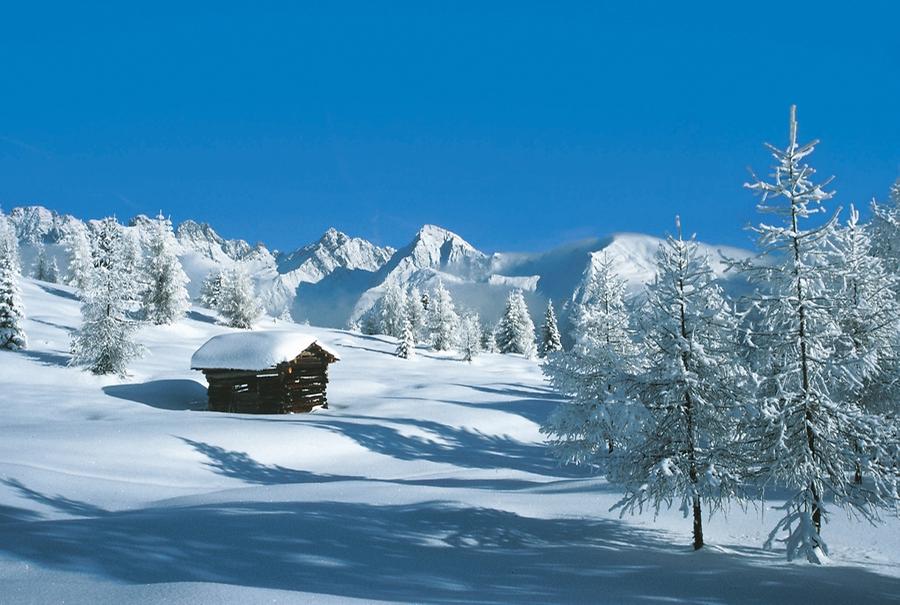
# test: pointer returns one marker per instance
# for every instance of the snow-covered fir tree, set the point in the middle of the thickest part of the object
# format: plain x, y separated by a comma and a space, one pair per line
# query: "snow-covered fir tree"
12, 311
551, 341
692, 390
210, 290
470, 336
488, 340
885, 229
45, 267
81, 262
237, 302
406, 348
593, 374
869, 317
392, 311
164, 299
105, 343
415, 312
807, 433
515, 332
443, 322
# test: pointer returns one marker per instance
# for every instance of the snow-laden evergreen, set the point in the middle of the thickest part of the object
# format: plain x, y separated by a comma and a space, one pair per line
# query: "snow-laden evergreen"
105, 343
442, 320
692, 391
488, 339
415, 312
885, 228
12, 309
164, 299
45, 268
392, 311
593, 374
211, 289
81, 262
470, 333
515, 332
551, 341
406, 348
808, 433
237, 303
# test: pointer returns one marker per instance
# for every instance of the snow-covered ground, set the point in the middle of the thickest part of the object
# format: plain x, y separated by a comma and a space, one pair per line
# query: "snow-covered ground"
426, 481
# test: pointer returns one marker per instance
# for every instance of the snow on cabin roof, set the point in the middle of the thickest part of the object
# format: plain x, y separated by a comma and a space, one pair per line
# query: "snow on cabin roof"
253, 350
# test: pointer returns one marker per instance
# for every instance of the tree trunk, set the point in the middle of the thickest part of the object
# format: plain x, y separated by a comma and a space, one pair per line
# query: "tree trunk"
698, 524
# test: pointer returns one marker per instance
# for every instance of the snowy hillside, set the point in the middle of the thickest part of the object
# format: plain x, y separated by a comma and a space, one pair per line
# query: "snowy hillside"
426, 481
335, 280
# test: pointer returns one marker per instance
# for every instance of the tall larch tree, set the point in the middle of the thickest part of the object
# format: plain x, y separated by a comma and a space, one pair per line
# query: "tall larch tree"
593, 375
415, 312
105, 343
692, 390
164, 299
806, 431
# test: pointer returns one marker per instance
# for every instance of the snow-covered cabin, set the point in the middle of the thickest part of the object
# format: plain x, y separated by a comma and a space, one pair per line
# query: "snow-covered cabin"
269, 372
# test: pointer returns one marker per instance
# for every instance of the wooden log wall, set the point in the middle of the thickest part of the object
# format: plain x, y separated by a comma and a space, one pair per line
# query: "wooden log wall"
297, 386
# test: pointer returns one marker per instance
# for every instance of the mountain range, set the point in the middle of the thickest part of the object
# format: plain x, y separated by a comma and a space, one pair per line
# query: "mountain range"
332, 282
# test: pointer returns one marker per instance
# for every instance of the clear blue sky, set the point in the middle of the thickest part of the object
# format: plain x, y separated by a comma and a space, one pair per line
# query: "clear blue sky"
520, 125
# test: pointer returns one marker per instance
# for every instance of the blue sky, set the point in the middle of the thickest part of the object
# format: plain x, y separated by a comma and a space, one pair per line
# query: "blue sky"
519, 125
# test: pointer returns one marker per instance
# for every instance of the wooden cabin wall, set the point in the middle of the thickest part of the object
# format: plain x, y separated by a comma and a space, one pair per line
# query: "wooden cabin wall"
298, 386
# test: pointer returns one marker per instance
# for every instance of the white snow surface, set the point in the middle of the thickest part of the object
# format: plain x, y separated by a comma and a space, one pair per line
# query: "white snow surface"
427, 481
253, 350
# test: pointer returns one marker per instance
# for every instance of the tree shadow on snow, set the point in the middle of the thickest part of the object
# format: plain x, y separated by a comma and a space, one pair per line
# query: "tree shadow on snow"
241, 466
435, 551
202, 317
451, 445
175, 394
55, 291
48, 358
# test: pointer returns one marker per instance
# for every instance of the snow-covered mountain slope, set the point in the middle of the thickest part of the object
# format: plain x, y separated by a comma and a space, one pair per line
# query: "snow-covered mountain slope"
334, 250
426, 481
481, 282
334, 281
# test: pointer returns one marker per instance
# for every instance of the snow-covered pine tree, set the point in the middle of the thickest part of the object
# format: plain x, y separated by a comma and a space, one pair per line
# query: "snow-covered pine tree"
104, 344
488, 341
426, 299
885, 228
515, 332
237, 302
42, 269
869, 317
406, 348
52, 271
164, 299
551, 341
210, 289
81, 262
12, 311
470, 336
392, 311
692, 389
415, 311
806, 431
593, 374
443, 322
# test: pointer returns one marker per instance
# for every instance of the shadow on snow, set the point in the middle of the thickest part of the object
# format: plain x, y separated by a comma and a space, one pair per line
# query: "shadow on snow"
174, 394
435, 551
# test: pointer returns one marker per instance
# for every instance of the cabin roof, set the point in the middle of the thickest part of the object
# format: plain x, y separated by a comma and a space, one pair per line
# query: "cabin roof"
253, 350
